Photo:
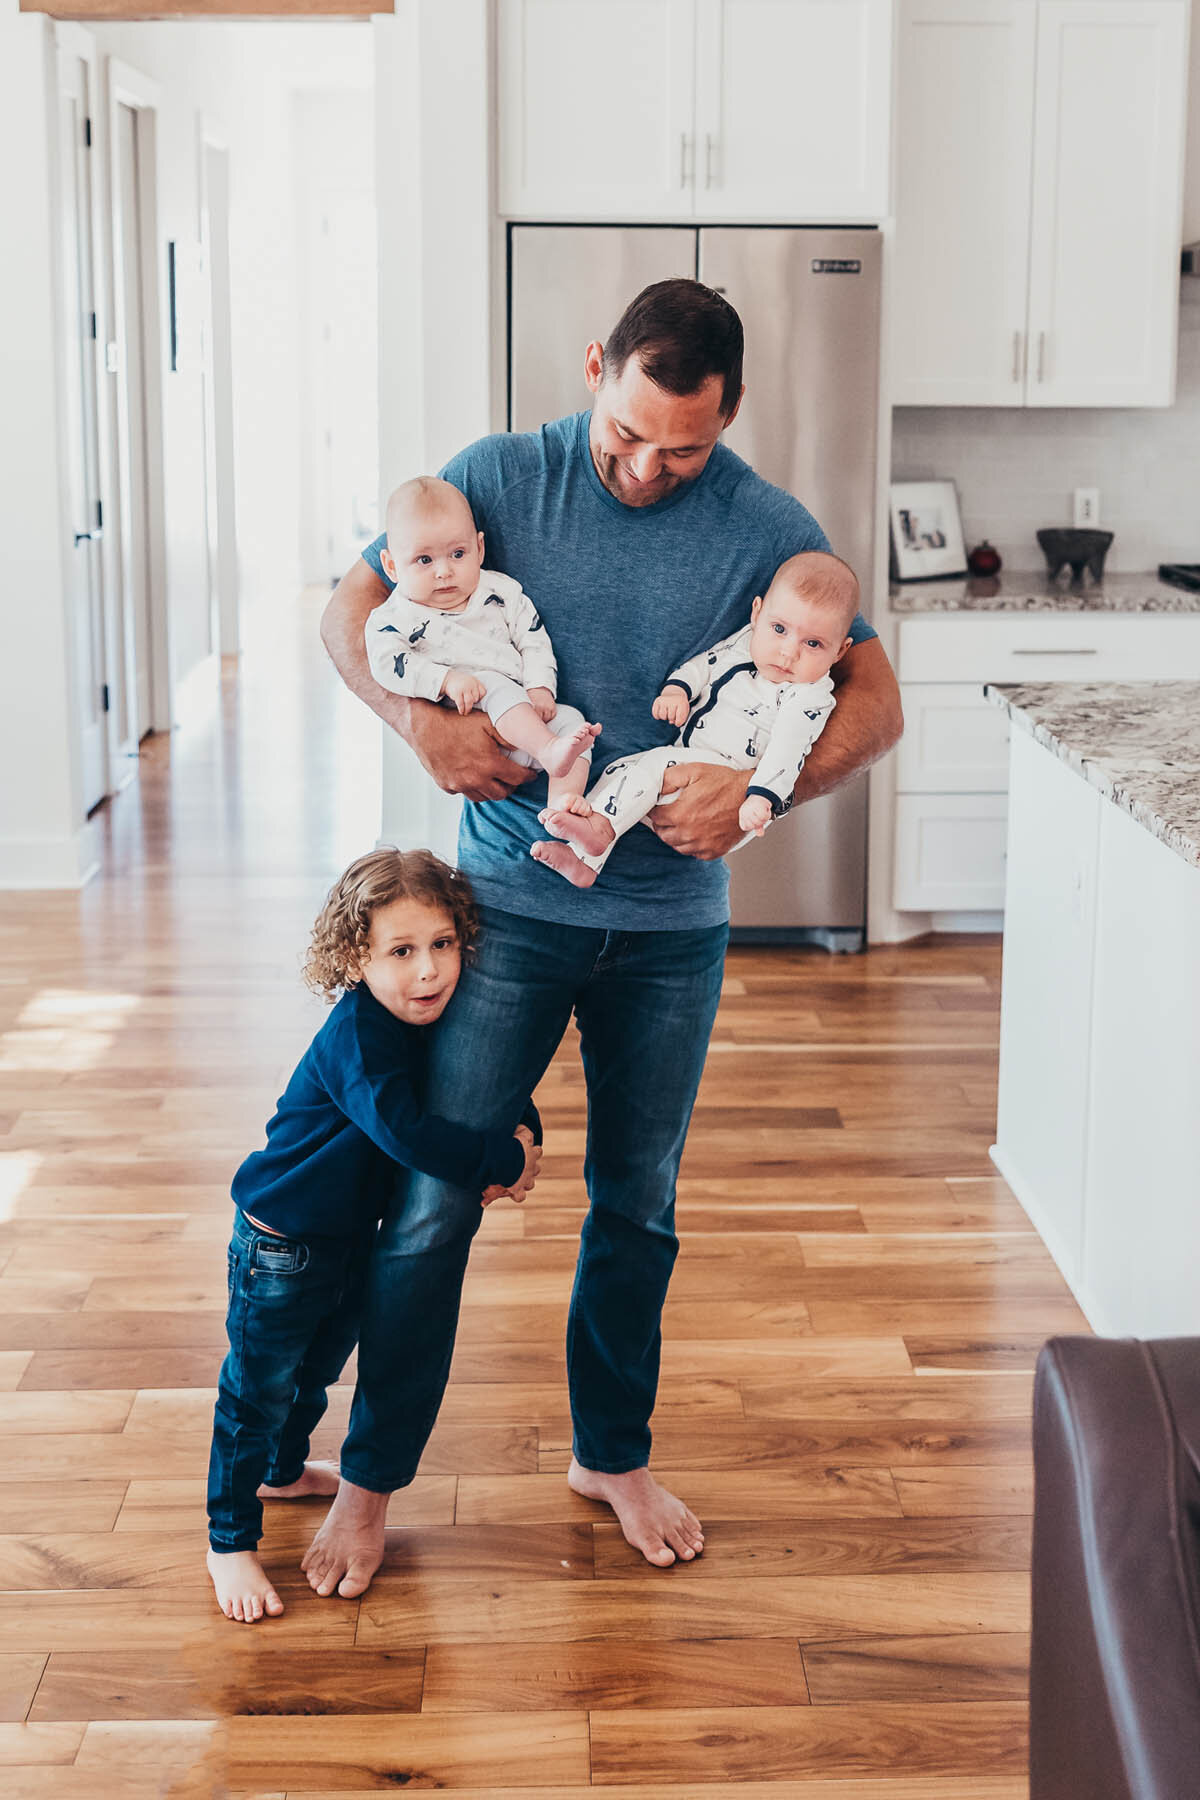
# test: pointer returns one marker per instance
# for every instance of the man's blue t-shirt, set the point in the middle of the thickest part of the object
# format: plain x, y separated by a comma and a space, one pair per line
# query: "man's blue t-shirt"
627, 594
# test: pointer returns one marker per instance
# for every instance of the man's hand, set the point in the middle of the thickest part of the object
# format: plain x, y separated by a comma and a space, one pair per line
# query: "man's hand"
755, 813
672, 705
529, 1174
464, 755
466, 690
542, 702
703, 821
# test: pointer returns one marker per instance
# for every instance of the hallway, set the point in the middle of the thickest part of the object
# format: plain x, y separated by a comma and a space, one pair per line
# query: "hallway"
847, 1368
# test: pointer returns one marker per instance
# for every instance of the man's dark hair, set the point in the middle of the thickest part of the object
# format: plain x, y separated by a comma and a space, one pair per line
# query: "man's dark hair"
681, 333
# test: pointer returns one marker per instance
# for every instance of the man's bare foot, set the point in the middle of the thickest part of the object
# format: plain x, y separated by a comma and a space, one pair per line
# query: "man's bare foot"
562, 753
317, 1478
653, 1521
348, 1548
589, 832
242, 1587
563, 859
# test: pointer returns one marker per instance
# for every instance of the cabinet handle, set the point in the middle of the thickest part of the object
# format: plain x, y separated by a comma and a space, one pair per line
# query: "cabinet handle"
1017, 337
683, 159
1041, 363
1056, 652
710, 144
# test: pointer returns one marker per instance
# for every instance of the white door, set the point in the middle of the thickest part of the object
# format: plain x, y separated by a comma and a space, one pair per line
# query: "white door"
131, 665
1104, 274
79, 348
793, 109
964, 147
596, 108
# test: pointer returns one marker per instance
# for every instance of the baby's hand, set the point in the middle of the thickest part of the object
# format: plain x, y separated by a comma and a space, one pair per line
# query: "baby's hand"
466, 690
672, 705
542, 702
755, 813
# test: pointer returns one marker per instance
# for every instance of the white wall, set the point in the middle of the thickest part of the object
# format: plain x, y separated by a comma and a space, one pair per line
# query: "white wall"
1191, 179
43, 840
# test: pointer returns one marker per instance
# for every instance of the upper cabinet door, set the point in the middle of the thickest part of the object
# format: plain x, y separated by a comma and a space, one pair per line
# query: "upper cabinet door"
963, 158
1104, 274
596, 108
793, 110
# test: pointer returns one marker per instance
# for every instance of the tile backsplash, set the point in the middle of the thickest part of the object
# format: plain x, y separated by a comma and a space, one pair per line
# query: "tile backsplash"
1016, 467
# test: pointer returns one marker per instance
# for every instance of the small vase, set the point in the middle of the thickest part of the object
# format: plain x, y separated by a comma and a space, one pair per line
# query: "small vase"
984, 559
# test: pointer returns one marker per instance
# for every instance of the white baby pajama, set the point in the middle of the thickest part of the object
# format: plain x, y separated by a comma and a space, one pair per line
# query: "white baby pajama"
736, 717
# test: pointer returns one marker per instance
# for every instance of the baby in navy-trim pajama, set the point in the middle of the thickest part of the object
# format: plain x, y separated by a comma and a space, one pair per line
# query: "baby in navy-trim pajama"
758, 700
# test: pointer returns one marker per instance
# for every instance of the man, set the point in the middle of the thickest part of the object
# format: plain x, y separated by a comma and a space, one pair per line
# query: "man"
640, 540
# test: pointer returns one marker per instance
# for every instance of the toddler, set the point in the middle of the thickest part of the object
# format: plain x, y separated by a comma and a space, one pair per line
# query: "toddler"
758, 700
455, 631
390, 940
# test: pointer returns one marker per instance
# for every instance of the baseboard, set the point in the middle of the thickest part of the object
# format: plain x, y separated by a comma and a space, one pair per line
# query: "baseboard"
966, 921
1090, 1307
37, 863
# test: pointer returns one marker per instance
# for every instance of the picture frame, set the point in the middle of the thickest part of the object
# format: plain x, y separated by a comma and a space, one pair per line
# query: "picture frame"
927, 538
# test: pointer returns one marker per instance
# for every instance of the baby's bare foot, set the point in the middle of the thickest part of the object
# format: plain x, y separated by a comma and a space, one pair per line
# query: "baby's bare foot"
242, 1587
563, 861
653, 1521
317, 1478
590, 832
562, 753
348, 1548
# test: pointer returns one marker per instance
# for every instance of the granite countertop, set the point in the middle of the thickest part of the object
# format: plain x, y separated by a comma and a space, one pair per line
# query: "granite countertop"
1019, 592
1138, 742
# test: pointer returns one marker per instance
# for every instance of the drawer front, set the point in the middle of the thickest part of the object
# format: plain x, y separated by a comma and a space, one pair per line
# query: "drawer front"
955, 741
950, 852
1050, 647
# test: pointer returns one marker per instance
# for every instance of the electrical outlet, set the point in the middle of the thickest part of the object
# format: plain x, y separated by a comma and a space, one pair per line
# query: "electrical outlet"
1087, 506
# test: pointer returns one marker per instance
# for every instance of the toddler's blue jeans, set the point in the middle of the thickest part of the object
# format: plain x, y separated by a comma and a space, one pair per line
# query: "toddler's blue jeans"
645, 1003
292, 1323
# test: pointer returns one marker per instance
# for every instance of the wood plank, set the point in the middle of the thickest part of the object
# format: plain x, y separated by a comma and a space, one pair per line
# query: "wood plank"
888, 1787
984, 1397
764, 1494
535, 1677
175, 1506
226, 1679
958, 1493
39, 1744
990, 1666
142, 1620
20, 1672
766, 1548
722, 1743
13, 1364
365, 1750
74, 1506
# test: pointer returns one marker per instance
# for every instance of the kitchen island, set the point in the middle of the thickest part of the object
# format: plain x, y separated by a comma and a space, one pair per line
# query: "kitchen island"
1098, 1130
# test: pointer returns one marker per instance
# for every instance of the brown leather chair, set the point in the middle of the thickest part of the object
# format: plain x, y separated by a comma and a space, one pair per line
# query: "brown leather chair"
1114, 1698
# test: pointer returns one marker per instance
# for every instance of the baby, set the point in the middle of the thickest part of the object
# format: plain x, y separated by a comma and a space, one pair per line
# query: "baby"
758, 700
388, 947
455, 631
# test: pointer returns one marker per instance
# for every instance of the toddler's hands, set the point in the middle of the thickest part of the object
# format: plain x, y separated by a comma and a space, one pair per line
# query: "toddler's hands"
529, 1174
466, 690
542, 702
672, 705
755, 813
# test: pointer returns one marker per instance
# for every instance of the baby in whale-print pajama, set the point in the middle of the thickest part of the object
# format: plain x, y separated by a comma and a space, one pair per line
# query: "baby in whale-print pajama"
757, 700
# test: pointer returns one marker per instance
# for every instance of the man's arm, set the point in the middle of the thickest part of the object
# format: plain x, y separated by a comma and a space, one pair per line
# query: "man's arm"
463, 755
866, 722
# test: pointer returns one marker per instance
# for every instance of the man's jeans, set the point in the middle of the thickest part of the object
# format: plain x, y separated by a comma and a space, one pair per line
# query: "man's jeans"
292, 1323
645, 1003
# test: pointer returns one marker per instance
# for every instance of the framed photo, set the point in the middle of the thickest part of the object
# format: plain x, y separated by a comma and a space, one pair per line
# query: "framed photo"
927, 539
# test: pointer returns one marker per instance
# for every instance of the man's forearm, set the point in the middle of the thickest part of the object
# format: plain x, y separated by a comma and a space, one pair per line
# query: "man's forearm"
342, 626
864, 725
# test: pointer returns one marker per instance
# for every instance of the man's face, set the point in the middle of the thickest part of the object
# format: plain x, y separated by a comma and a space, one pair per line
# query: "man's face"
645, 442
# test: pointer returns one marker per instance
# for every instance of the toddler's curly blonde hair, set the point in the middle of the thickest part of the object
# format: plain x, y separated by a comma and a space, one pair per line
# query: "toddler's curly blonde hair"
339, 938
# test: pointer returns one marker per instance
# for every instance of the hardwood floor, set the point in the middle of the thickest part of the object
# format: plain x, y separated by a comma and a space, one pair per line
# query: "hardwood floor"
846, 1378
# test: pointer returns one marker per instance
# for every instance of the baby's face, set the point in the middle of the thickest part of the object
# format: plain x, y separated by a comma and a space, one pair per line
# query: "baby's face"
794, 639
435, 555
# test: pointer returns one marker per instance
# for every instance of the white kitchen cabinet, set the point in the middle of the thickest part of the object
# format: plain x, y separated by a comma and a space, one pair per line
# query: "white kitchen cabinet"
1038, 193
950, 852
695, 109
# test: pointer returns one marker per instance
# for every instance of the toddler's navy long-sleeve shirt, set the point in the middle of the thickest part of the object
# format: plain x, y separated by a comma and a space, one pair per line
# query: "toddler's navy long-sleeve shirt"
351, 1111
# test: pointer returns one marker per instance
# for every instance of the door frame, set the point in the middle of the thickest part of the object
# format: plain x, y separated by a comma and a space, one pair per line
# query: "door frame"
221, 520
127, 86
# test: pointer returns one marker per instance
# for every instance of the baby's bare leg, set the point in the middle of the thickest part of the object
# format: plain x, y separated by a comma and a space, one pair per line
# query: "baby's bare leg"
242, 1587
521, 727
589, 832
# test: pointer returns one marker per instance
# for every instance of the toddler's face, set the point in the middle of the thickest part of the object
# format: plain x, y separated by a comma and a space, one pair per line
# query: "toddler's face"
435, 555
793, 638
413, 960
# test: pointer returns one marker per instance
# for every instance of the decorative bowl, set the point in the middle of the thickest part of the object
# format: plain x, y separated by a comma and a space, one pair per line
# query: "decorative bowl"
1080, 549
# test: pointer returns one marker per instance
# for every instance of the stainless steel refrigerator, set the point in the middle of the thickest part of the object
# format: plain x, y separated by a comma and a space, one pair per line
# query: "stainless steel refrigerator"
809, 300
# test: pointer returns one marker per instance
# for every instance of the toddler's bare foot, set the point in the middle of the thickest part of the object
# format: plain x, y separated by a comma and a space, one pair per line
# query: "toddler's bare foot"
589, 832
348, 1548
563, 753
564, 861
653, 1521
242, 1587
317, 1478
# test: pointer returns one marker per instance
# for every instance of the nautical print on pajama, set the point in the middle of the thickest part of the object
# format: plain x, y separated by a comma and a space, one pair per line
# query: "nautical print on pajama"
497, 635
736, 717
